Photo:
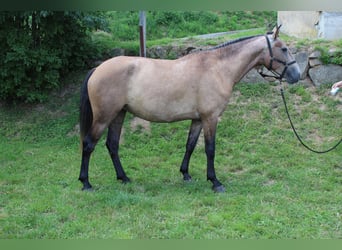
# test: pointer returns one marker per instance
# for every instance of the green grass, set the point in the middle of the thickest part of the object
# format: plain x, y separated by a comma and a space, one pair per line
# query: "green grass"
276, 189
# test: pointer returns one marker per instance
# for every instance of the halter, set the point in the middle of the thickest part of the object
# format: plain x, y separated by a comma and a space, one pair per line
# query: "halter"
286, 64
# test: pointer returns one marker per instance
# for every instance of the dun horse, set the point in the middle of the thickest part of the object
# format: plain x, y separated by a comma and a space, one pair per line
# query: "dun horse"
195, 87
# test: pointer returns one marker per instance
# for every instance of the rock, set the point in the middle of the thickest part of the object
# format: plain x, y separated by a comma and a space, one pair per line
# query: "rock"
270, 79
253, 76
165, 52
333, 51
157, 52
315, 54
314, 59
303, 62
325, 74
314, 62
269, 76
306, 82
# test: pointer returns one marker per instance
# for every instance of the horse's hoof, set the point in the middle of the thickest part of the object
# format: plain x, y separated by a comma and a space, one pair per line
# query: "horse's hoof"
187, 178
219, 189
125, 180
87, 188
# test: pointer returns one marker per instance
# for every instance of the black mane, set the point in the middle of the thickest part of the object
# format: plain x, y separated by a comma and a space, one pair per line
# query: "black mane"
233, 42
225, 44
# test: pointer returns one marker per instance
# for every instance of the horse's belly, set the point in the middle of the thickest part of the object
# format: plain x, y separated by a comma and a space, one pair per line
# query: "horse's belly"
162, 94
163, 111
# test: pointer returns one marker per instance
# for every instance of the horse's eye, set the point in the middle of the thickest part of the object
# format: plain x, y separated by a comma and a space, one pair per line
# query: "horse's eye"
284, 49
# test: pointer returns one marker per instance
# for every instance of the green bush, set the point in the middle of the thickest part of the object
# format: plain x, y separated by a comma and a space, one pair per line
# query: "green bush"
27, 75
167, 17
38, 47
124, 25
208, 18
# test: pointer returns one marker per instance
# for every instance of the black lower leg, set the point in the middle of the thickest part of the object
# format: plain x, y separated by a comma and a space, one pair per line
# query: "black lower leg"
88, 147
113, 139
113, 151
194, 132
210, 152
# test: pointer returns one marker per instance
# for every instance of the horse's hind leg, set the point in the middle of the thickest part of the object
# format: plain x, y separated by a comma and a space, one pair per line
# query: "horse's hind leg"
88, 144
194, 132
88, 147
112, 143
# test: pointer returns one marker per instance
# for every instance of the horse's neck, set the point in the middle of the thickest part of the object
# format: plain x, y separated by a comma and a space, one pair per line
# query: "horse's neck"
248, 55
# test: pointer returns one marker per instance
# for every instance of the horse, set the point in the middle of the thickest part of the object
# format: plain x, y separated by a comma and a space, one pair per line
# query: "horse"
194, 87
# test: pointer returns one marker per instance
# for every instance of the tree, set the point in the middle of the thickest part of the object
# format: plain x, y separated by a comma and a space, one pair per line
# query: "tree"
40, 46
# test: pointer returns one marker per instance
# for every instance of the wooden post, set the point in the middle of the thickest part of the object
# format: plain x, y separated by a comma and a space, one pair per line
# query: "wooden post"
142, 31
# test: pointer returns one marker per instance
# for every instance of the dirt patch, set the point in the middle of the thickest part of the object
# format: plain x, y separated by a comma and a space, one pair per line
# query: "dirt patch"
75, 131
136, 124
140, 124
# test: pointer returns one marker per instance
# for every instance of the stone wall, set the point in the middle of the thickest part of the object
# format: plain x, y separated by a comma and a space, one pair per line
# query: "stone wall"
313, 71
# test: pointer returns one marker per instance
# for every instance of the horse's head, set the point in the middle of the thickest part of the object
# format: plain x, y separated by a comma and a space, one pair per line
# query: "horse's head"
279, 59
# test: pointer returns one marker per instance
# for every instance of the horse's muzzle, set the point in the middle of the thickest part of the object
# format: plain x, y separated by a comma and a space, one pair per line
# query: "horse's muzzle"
292, 74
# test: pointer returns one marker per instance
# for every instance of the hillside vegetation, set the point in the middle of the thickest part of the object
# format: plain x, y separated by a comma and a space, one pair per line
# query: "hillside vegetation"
163, 27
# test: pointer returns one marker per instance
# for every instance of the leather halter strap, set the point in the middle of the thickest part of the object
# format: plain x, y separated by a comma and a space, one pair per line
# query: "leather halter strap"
286, 64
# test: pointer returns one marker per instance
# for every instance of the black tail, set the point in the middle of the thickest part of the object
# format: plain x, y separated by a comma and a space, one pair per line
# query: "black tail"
86, 113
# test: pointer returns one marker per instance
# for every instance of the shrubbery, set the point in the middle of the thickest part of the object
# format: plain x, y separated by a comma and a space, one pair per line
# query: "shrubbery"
38, 47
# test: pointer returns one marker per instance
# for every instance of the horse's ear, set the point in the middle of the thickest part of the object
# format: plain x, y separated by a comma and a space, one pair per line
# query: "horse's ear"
276, 33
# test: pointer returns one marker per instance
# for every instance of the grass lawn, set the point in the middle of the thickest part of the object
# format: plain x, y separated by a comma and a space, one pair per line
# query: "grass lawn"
276, 189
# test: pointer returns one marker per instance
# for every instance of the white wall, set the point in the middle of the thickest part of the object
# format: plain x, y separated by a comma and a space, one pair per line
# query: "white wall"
311, 24
330, 25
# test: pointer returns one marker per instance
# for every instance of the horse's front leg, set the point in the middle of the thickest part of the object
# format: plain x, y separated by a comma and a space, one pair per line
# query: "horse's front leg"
194, 132
209, 127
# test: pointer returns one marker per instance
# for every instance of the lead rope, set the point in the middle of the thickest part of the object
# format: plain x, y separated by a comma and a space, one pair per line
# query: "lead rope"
294, 129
